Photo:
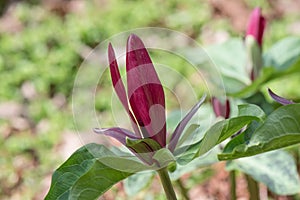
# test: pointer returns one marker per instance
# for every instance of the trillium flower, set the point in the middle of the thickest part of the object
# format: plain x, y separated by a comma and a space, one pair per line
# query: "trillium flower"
253, 41
279, 99
256, 26
221, 109
144, 102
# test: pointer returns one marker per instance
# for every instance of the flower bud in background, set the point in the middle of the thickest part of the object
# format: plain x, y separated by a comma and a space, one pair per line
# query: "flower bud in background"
220, 109
253, 42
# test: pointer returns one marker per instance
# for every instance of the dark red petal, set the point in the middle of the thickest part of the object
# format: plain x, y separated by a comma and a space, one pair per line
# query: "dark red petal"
221, 110
256, 25
279, 99
119, 85
180, 127
145, 91
227, 113
116, 77
262, 25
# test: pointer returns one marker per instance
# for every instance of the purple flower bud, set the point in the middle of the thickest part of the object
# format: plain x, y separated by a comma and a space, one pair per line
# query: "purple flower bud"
144, 101
221, 110
256, 25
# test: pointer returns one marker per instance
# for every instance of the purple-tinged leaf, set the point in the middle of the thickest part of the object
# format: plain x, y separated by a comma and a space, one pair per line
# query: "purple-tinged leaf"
256, 25
125, 136
279, 99
220, 109
119, 134
145, 90
180, 127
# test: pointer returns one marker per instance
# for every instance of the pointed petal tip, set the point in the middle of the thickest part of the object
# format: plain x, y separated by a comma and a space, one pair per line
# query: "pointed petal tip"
257, 9
111, 54
110, 45
98, 130
134, 42
111, 51
133, 37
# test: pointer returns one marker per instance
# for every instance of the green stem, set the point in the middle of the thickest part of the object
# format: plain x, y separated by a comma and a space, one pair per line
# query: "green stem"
183, 189
232, 184
297, 158
252, 188
166, 182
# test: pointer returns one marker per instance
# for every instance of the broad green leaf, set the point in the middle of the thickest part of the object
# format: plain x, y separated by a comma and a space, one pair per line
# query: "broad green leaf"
96, 181
221, 131
215, 135
233, 70
277, 170
243, 137
283, 54
135, 183
280, 129
164, 157
202, 161
88, 173
128, 164
251, 110
68, 173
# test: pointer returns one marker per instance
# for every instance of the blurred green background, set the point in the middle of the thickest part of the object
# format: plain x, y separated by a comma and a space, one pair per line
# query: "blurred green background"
42, 44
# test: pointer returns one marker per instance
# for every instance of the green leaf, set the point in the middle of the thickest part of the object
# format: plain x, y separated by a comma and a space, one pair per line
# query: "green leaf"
96, 181
164, 157
144, 145
251, 110
202, 161
283, 54
221, 131
135, 183
89, 172
277, 170
129, 164
233, 70
280, 129
214, 135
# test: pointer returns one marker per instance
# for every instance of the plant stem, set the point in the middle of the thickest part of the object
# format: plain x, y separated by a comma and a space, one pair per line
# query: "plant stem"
166, 182
183, 189
252, 188
232, 184
297, 158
